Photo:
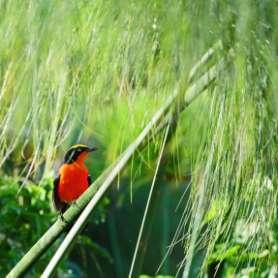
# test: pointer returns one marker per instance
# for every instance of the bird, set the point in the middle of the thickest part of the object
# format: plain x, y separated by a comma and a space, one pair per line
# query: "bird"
73, 178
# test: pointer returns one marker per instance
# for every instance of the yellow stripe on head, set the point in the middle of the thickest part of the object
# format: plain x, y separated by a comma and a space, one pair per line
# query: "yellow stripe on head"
78, 146
74, 151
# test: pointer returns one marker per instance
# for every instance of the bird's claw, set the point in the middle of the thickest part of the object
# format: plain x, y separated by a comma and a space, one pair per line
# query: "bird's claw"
62, 218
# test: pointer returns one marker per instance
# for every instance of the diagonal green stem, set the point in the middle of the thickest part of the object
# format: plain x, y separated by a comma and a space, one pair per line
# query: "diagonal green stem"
96, 191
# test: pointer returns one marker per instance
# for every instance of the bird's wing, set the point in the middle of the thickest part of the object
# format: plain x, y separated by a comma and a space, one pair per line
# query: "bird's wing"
58, 204
89, 180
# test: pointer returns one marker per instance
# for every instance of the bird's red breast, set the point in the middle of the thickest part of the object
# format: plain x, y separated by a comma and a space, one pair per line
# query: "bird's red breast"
73, 181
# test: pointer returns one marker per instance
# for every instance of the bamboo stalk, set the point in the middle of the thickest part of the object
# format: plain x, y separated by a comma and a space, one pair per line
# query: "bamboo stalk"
93, 194
191, 94
98, 188
205, 58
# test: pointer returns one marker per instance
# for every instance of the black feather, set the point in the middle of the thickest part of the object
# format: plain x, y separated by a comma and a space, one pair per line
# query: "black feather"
89, 180
58, 204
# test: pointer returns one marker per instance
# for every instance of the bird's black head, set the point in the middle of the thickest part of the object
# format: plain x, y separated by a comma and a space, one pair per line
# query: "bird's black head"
73, 153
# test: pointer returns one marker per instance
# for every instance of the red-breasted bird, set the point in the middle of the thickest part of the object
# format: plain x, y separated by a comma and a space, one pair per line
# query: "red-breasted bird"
73, 177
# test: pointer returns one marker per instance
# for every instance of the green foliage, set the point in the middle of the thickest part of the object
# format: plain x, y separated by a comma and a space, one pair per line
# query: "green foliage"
95, 72
25, 215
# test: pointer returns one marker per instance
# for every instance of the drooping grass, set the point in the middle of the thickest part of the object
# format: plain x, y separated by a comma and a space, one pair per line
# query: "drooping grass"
70, 70
96, 71
233, 209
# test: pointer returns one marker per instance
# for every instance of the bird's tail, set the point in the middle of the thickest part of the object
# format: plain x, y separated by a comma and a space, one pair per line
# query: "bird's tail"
57, 203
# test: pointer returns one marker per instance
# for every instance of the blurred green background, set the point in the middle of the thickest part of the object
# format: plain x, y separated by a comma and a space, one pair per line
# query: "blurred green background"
95, 72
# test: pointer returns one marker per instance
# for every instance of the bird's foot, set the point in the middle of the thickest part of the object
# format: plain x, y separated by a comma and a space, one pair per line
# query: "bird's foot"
63, 219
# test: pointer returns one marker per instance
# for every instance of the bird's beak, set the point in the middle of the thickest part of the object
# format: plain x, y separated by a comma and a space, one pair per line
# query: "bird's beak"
92, 149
